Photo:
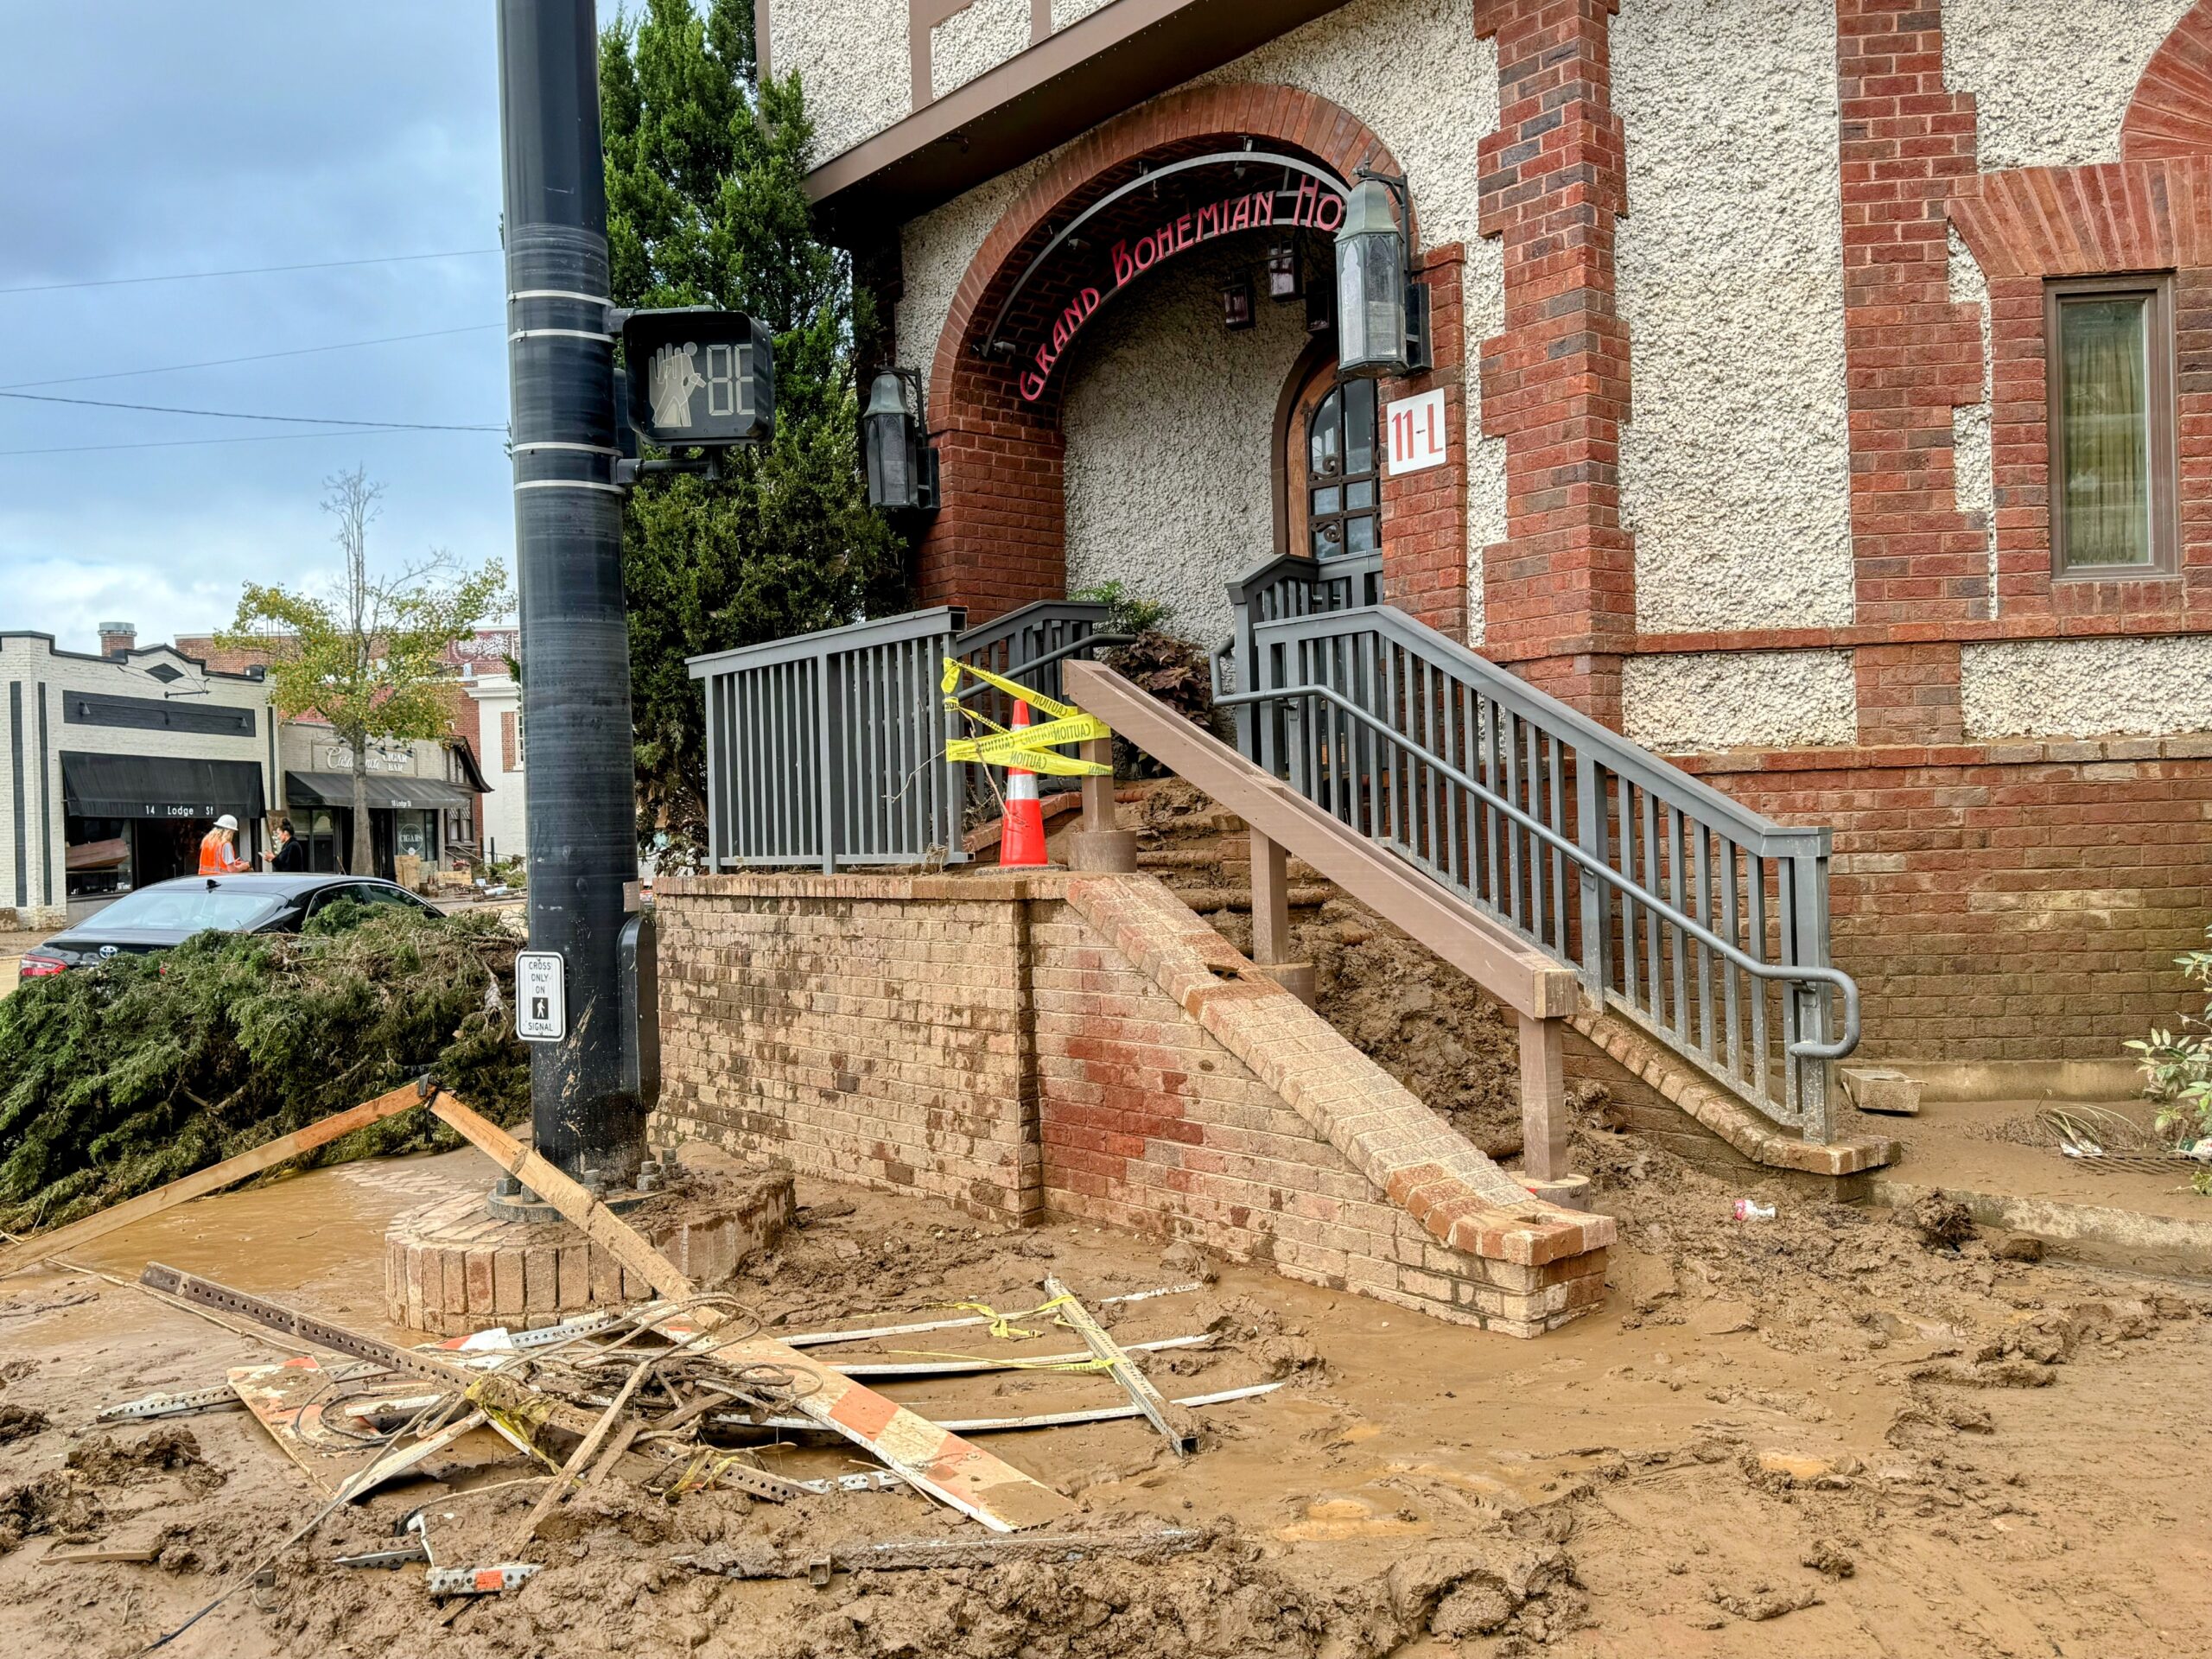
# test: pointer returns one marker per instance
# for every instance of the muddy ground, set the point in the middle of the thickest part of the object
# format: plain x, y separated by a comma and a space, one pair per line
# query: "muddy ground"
1817, 1435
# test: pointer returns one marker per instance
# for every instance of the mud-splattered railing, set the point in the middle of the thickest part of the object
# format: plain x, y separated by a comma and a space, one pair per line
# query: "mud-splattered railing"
1699, 919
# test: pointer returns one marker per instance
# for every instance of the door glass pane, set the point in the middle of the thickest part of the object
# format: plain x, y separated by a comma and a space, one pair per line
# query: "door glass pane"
1359, 495
1328, 455
2104, 376
1359, 427
1324, 540
1329, 501
1359, 534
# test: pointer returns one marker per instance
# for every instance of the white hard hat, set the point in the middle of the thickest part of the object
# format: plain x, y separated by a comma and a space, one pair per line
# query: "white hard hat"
226, 821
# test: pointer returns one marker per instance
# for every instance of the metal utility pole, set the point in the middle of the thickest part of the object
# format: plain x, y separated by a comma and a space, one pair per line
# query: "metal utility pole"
575, 692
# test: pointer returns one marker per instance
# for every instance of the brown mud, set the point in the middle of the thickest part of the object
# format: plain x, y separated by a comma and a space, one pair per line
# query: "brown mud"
1816, 1431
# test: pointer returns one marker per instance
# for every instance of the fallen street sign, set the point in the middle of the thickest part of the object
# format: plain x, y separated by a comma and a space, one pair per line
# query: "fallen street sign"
540, 996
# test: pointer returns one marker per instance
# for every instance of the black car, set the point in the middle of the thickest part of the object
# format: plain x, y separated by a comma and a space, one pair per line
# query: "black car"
168, 912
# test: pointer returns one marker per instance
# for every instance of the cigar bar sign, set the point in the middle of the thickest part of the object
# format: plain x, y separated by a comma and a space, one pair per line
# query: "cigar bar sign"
1305, 205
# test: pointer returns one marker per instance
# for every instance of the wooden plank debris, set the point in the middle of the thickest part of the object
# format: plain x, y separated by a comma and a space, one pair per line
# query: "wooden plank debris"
1178, 1431
944, 1466
897, 1555
30, 1251
1042, 1419
816, 1339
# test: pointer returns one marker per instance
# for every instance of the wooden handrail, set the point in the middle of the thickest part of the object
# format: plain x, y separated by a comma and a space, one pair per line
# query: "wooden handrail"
1509, 968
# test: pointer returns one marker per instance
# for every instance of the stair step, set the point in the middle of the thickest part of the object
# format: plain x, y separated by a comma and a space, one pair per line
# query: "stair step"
1178, 859
1203, 899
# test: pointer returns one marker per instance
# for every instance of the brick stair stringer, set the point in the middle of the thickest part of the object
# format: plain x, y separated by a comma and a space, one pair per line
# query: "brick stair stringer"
1753, 1136
1425, 1166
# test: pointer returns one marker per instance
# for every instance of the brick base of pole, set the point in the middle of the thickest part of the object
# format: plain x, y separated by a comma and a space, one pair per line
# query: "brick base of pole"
452, 1269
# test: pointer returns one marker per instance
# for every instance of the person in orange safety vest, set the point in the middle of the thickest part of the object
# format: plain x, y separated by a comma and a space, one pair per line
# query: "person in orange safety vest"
218, 854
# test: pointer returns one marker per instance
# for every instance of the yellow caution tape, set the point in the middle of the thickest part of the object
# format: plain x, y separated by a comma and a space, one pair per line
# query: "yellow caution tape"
1001, 1324
1032, 748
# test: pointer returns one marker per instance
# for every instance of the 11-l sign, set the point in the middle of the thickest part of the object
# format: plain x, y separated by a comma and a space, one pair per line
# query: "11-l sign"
1416, 431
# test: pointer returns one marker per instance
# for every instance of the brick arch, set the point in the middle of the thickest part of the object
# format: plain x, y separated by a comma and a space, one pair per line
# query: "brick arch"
999, 539
2170, 114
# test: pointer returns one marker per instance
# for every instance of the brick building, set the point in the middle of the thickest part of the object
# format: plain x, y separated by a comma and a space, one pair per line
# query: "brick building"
1819, 395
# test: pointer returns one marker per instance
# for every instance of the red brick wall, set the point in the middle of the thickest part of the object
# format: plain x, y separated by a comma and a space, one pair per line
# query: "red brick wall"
1425, 513
1559, 596
1910, 355
2005, 901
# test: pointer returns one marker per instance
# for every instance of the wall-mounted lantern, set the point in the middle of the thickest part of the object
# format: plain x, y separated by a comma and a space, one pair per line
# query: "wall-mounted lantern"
1381, 327
1236, 304
1284, 276
894, 432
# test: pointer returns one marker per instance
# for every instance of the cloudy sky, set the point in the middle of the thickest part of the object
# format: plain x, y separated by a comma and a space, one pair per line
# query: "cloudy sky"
143, 138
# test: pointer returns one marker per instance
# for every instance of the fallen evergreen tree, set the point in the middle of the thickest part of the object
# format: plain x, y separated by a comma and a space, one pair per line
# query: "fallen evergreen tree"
116, 1079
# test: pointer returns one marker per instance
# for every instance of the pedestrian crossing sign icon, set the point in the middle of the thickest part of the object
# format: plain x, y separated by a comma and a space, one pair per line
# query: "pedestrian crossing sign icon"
540, 996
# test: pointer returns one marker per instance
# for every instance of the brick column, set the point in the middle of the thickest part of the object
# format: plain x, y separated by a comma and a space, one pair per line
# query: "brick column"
1908, 694
1911, 354
1559, 594
1000, 540
1425, 514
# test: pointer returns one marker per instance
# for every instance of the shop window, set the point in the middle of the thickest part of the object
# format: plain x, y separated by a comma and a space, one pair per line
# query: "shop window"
1343, 473
2108, 343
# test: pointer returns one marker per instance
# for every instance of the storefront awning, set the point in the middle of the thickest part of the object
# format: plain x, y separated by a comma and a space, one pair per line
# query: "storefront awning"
158, 786
336, 789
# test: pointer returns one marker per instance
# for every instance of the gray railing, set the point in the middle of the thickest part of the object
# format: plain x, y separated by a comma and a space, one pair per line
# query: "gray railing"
1291, 584
1705, 922
828, 749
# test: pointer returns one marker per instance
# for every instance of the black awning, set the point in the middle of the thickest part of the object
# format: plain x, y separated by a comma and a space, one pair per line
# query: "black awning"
336, 789
158, 786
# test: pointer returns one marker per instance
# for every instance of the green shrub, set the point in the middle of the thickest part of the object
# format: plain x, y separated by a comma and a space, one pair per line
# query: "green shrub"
118, 1078
2177, 1069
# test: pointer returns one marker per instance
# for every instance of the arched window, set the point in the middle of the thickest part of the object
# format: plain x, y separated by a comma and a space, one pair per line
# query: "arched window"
1339, 473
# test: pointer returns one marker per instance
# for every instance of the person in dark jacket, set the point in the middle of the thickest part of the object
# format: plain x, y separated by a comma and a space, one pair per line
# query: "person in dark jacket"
290, 858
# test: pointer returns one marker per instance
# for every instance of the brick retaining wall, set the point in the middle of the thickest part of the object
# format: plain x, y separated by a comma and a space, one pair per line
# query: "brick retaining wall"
1084, 1046
2004, 901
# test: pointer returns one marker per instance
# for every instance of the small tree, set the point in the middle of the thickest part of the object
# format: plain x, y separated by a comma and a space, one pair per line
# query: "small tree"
2178, 1071
368, 654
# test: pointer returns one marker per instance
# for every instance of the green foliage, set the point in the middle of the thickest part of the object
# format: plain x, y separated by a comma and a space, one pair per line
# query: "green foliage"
116, 1079
707, 206
1127, 613
2177, 1069
1175, 669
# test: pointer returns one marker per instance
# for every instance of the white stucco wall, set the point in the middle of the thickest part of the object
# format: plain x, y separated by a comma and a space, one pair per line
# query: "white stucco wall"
2087, 687
1730, 699
981, 37
852, 63
1973, 457
1355, 57
1068, 11
1735, 466
2051, 78
1168, 417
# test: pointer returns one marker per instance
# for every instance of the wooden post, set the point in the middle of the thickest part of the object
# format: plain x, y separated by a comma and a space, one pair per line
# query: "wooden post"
1098, 844
1543, 1101
1270, 900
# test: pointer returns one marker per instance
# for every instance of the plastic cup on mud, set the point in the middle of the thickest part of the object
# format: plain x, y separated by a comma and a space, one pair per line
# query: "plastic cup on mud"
1751, 1210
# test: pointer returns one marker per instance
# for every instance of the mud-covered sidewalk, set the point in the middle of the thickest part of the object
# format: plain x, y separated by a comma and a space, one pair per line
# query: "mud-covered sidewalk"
1819, 1434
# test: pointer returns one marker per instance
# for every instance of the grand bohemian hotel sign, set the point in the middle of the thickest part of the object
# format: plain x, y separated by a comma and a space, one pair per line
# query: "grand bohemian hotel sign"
1307, 198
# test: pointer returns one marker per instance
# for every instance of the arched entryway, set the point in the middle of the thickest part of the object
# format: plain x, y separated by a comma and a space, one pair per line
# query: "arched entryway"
1034, 300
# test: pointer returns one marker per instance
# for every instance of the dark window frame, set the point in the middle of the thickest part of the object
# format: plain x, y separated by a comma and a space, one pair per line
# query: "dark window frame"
1343, 478
2161, 392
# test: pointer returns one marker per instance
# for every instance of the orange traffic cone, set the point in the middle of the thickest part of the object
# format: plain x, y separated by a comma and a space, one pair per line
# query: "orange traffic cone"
1021, 831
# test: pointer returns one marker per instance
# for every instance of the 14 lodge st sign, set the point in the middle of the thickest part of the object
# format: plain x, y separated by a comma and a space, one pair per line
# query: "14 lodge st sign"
1309, 205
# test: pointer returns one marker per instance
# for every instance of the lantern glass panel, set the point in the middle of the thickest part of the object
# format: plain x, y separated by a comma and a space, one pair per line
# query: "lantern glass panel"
1371, 301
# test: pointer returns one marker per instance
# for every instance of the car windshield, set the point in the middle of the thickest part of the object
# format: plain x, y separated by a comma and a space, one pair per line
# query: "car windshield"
189, 907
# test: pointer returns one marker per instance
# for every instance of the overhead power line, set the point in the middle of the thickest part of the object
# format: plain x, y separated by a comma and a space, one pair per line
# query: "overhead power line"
257, 357
237, 415
246, 271
258, 437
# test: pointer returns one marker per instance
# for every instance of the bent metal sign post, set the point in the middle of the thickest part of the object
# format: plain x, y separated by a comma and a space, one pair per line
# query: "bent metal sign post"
1308, 205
